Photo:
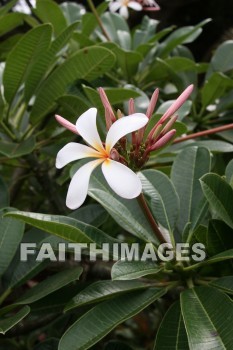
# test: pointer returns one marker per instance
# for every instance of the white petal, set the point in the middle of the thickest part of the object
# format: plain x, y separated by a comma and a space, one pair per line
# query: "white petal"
78, 188
86, 126
124, 12
114, 6
121, 179
135, 6
74, 151
124, 126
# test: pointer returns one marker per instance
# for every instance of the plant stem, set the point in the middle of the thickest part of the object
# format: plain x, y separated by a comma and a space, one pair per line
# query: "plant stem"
147, 212
95, 13
8, 131
194, 266
189, 282
5, 295
204, 133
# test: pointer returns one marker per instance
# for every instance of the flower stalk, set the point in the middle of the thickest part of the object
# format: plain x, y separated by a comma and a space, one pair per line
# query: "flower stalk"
150, 218
95, 13
204, 133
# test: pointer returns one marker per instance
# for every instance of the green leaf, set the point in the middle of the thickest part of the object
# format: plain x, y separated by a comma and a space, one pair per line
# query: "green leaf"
174, 324
128, 270
71, 11
149, 47
227, 255
128, 61
118, 95
164, 199
10, 22
103, 290
223, 57
187, 169
219, 237
95, 101
11, 233
199, 214
15, 150
145, 32
50, 285
4, 9
20, 272
180, 36
214, 146
206, 326
200, 234
229, 173
92, 214
11, 321
24, 56
225, 102
88, 64
214, 88
127, 213
141, 103
224, 284
47, 60
174, 67
219, 195
72, 106
88, 330
89, 21
7, 45
49, 12
113, 23
64, 227
4, 194
82, 40
181, 64
94, 98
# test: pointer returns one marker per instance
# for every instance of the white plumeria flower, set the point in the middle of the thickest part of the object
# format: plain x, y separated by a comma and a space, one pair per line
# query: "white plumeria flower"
122, 6
120, 178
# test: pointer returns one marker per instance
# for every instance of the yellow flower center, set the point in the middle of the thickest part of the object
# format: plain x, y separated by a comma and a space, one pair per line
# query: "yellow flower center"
125, 2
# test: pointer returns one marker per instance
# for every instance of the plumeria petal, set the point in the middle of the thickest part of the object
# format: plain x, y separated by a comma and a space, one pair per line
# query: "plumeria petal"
124, 126
86, 125
150, 5
78, 188
124, 12
121, 179
74, 151
114, 6
135, 6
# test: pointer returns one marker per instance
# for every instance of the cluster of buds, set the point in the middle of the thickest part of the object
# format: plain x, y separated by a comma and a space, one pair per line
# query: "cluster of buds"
137, 154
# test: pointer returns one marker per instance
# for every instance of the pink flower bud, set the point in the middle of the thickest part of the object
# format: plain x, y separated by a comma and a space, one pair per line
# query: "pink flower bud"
169, 124
131, 106
66, 124
152, 103
106, 104
177, 104
163, 141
